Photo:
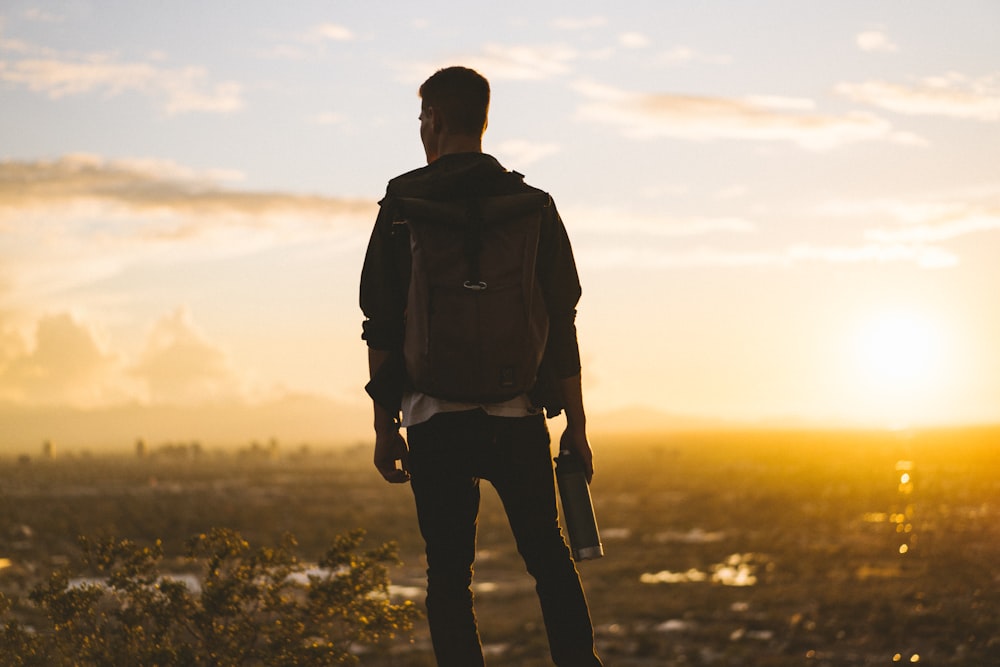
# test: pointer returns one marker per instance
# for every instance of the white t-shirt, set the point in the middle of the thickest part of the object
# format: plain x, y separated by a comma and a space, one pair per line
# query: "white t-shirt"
418, 408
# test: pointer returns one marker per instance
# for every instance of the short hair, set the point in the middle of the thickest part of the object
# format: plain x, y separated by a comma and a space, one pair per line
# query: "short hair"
461, 96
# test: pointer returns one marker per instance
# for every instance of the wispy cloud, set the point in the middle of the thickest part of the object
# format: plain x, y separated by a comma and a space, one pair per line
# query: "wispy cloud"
524, 62
952, 94
875, 41
153, 187
522, 152
329, 118
684, 54
757, 118
579, 23
921, 221
924, 256
81, 219
329, 32
633, 40
309, 43
612, 238
612, 256
504, 62
611, 222
969, 222
180, 90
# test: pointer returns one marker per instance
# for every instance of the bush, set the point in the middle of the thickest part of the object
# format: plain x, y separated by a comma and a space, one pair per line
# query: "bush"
254, 607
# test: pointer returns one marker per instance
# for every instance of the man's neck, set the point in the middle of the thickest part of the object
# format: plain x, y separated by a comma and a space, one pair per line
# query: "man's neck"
450, 144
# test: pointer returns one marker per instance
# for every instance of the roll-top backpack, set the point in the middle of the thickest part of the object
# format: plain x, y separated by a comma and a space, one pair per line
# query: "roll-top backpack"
476, 323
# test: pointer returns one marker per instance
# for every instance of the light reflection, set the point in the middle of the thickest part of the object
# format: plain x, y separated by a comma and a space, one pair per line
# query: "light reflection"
903, 520
736, 570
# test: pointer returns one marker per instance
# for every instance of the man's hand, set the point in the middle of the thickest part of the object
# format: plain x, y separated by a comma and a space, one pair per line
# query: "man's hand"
575, 440
390, 447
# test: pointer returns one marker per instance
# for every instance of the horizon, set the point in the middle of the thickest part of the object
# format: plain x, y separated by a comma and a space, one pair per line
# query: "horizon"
779, 215
47, 432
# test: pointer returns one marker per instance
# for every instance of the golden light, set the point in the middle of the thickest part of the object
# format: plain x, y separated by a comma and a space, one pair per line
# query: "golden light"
901, 365
899, 350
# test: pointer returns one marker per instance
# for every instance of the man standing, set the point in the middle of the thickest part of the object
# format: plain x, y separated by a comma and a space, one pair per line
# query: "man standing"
453, 443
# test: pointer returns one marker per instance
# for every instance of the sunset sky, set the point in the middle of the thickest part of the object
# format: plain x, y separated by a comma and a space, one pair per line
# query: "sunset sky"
782, 211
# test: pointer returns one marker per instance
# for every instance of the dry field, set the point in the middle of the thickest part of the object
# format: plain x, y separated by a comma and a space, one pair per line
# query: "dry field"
725, 548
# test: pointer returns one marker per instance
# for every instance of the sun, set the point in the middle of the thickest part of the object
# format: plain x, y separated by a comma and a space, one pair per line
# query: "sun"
899, 351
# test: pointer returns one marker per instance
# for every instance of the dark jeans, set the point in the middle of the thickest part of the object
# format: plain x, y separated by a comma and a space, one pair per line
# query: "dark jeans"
449, 454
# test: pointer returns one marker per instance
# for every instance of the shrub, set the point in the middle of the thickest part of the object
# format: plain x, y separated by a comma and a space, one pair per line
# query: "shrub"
253, 607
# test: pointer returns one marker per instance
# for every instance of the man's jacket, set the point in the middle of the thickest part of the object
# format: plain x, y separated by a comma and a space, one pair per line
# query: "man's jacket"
386, 273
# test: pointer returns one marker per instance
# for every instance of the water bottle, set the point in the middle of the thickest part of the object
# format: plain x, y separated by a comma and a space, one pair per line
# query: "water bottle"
578, 510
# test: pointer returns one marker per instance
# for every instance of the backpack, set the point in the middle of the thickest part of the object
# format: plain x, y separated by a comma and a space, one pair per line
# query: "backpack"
476, 324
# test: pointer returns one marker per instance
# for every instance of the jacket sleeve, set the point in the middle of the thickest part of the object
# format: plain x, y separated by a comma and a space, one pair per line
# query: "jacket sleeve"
383, 302
561, 287
381, 296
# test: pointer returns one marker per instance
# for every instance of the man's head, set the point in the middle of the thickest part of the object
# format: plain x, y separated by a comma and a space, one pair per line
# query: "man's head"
454, 106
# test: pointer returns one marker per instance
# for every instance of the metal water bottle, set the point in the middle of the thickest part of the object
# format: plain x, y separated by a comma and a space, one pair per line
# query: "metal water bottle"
578, 509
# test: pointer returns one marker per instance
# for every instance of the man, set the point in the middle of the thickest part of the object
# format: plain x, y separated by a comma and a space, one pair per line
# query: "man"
453, 444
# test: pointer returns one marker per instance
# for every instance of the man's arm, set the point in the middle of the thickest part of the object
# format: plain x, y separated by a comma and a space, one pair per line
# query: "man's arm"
390, 446
574, 438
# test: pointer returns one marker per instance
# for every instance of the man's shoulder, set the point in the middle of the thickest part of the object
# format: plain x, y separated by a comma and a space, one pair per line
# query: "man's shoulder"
459, 176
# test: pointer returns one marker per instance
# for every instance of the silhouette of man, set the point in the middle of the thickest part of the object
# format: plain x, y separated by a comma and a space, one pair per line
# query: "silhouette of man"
452, 445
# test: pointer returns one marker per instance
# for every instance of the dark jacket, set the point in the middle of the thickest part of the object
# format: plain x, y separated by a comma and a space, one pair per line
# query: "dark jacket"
386, 272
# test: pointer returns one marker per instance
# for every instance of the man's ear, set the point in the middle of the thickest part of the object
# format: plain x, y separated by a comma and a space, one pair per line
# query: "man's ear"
437, 123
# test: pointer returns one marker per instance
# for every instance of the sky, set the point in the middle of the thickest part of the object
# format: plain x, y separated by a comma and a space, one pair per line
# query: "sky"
783, 212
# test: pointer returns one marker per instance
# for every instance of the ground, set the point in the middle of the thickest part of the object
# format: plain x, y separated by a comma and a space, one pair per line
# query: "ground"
726, 548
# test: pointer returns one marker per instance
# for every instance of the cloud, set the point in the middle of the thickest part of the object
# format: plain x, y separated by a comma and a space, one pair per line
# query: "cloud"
42, 16
633, 40
81, 219
610, 256
329, 32
152, 187
505, 62
66, 363
969, 222
927, 257
922, 221
875, 41
954, 95
180, 90
310, 43
575, 23
683, 54
607, 238
609, 222
180, 364
329, 118
521, 152
524, 63
63, 364
759, 118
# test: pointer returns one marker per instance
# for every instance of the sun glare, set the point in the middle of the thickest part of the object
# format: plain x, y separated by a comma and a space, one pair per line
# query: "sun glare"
899, 352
